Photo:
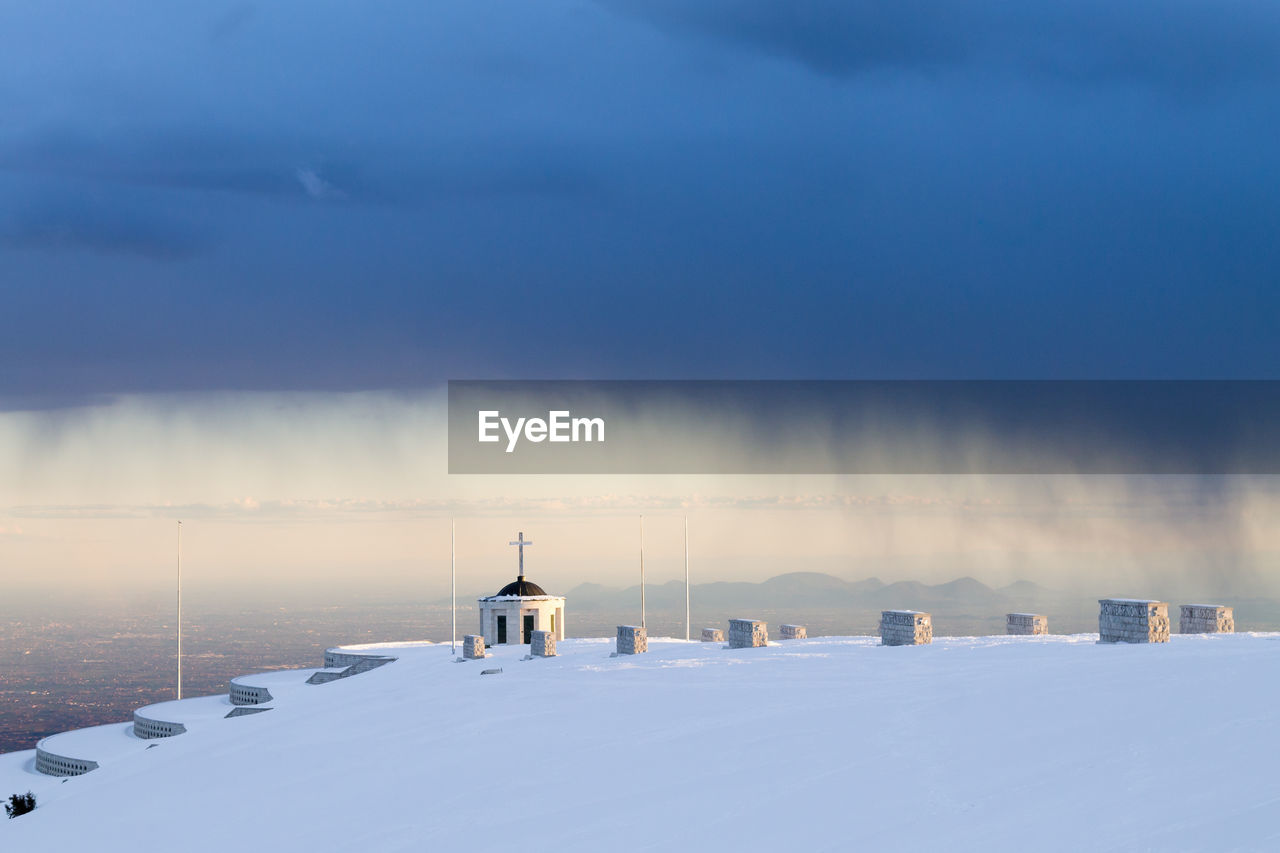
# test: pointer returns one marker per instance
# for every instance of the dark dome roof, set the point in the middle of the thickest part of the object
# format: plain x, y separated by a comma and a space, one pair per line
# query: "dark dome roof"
521, 587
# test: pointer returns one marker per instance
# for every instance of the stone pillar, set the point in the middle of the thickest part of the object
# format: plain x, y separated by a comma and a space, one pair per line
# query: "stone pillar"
632, 640
1130, 620
1025, 623
712, 635
905, 628
473, 647
542, 644
747, 633
792, 632
1206, 619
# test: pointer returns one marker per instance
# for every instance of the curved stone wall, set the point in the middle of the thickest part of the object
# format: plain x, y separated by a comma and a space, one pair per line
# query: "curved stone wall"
247, 699
148, 729
335, 659
344, 664
363, 663
247, 694
52, 764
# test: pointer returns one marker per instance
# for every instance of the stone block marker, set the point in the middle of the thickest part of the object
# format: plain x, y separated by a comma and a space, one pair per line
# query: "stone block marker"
712, 635
905, 628
1025, 623
542, 644
1206, 619
792, 632
1132, 620
747, 633
632, 640
473, 647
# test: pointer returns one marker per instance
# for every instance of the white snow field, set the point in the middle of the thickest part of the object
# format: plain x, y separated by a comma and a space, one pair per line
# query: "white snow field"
987, 743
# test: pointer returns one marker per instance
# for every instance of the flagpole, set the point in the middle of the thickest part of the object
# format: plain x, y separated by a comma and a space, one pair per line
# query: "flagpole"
453, 585
642, 615
686, 578
179, 622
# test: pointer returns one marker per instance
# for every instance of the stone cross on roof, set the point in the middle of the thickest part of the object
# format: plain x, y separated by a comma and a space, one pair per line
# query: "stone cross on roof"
521, 542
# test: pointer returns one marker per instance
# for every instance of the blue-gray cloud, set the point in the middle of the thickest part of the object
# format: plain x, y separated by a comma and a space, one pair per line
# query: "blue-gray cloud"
76, 227
1181, 44
309, 196
373, 170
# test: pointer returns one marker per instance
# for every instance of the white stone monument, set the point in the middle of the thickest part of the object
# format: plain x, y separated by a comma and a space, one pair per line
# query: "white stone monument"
747, 633
632, 640
793, 632
1206, 619
1025, 624
1132, 620
905, 628
520, 608
473, 647
543, 644
712, 635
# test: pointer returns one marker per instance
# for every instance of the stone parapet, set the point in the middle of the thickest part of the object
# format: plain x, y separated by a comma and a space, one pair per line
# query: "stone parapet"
334, 659
147, 728
248, 694
361, 663
52, 764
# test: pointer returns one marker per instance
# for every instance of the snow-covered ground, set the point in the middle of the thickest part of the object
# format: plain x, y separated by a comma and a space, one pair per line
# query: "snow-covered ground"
1047, 743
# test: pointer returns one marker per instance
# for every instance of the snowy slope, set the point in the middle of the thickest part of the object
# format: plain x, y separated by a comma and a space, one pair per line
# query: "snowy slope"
1050, 743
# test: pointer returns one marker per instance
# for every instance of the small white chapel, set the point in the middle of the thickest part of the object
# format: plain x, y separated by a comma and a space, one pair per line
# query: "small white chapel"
520, 608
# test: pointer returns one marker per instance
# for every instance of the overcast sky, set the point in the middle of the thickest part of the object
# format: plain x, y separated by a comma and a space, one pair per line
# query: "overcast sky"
370, 197
331, 195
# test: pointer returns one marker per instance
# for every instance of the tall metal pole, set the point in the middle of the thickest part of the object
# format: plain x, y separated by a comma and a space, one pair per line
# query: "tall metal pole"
179, 623
642, 622
453, 585
686, 578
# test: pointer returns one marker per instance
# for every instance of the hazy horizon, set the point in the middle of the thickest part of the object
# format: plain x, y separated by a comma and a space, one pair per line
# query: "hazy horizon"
348, 491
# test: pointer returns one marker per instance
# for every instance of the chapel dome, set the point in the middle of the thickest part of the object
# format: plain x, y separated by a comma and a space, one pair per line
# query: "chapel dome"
521, 587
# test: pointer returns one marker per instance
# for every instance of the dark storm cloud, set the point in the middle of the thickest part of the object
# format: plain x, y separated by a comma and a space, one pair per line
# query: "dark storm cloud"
203, 159
208, 160
53, 229
1175, 43
60, 219
314, 196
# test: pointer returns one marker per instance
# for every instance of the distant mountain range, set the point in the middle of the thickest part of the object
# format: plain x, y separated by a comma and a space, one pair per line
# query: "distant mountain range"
813, 590
832, 605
